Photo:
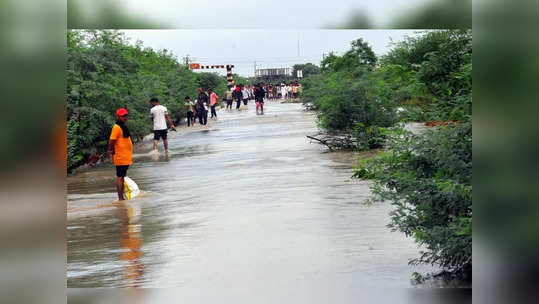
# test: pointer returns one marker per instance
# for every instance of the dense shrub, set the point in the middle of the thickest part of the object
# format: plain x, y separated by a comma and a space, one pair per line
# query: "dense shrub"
350, 97
428, 178
435, 69
307, 69
105, 72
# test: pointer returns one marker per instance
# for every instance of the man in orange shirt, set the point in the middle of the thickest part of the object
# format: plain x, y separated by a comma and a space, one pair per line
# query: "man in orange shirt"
121, 149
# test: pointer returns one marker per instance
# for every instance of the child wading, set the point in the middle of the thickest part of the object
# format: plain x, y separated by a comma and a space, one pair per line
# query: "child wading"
189, 108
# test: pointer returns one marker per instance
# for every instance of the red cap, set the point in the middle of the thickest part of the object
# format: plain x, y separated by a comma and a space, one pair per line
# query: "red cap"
121, 112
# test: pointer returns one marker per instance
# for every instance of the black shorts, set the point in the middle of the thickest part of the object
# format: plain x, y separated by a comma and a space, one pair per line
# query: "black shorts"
160, 134
121, 171
229, 102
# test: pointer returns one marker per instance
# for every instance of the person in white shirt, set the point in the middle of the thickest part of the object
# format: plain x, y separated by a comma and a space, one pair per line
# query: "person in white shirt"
245, 93
288, 92
160, 116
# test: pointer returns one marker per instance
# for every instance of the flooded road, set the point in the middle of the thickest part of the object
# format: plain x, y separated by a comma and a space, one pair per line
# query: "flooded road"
248, 206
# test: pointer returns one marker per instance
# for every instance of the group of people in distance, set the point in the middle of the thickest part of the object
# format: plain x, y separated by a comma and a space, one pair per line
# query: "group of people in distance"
234, 94
120, 146
285, 91
200, 106
239, 93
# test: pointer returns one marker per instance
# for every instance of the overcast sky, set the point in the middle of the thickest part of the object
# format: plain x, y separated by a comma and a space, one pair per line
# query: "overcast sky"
282, 14
268, 48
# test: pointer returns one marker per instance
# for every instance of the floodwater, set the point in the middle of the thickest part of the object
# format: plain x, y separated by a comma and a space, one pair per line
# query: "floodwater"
248, 206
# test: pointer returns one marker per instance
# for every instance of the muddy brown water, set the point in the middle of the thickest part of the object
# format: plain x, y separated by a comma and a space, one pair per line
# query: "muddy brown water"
249, 204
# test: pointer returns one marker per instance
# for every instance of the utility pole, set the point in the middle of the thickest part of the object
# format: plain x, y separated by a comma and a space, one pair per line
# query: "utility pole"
255, 69
186, 60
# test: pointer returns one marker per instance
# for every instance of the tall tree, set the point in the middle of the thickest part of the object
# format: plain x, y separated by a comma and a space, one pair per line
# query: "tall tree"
306, 68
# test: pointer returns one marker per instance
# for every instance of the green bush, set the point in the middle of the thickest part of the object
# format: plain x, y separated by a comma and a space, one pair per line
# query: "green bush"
105, 72
307, 69
351, 97
428, 178
435, 68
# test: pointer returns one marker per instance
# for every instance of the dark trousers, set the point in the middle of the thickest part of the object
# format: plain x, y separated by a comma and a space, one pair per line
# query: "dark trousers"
238, 103
203, 117
213, 113
245, 101
190, 118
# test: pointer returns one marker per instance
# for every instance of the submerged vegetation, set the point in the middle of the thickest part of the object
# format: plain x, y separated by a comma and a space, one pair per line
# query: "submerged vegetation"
360, 99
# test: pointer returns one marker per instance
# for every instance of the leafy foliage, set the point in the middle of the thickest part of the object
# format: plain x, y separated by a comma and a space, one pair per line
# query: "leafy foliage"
350, 96
105, 72
428, 179
434, 70
359, 56
238, 80
307, 69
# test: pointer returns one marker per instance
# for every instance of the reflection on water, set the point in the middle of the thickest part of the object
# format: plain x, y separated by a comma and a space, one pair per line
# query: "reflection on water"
131, 242
248, 207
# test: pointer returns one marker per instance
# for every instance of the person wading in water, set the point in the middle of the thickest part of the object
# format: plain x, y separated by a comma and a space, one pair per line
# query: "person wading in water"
259, 99
245, 94
238, 96
213, 102
202, 103
189, 107
228, 98
121, 149
159, 115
